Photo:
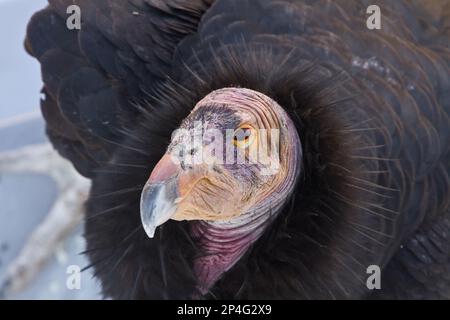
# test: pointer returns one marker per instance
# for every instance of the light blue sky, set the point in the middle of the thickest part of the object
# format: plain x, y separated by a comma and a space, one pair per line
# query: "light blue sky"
26, 198
20, 80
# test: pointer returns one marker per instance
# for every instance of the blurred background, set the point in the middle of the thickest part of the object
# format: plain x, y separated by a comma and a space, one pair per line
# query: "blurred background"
29, 193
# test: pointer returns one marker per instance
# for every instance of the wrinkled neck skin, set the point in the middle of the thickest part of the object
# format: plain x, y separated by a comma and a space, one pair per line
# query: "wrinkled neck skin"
223, 243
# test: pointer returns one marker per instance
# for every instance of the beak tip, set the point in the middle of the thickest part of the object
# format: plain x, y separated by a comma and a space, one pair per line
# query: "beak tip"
157, 203
150, 231
156, 206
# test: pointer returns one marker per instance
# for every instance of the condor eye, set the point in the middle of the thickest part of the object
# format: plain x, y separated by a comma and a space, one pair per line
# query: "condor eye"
244, 136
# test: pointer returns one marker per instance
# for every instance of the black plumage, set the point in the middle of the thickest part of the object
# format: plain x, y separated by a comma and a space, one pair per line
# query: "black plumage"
371, 108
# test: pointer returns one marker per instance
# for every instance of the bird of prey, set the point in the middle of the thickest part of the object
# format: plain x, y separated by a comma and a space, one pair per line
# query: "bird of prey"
147, 97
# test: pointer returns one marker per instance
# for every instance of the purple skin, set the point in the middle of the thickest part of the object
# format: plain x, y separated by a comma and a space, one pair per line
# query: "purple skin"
229, 215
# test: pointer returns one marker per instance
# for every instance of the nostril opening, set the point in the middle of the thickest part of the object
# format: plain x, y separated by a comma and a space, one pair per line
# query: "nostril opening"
217, 169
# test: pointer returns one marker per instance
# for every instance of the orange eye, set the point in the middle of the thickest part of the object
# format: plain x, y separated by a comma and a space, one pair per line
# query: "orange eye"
244, 136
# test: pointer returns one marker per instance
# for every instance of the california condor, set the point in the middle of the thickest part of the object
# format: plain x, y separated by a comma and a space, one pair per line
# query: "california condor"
363, 121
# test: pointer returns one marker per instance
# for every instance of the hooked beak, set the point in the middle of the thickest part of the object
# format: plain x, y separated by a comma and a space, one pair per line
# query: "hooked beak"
160, 194
173, 193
